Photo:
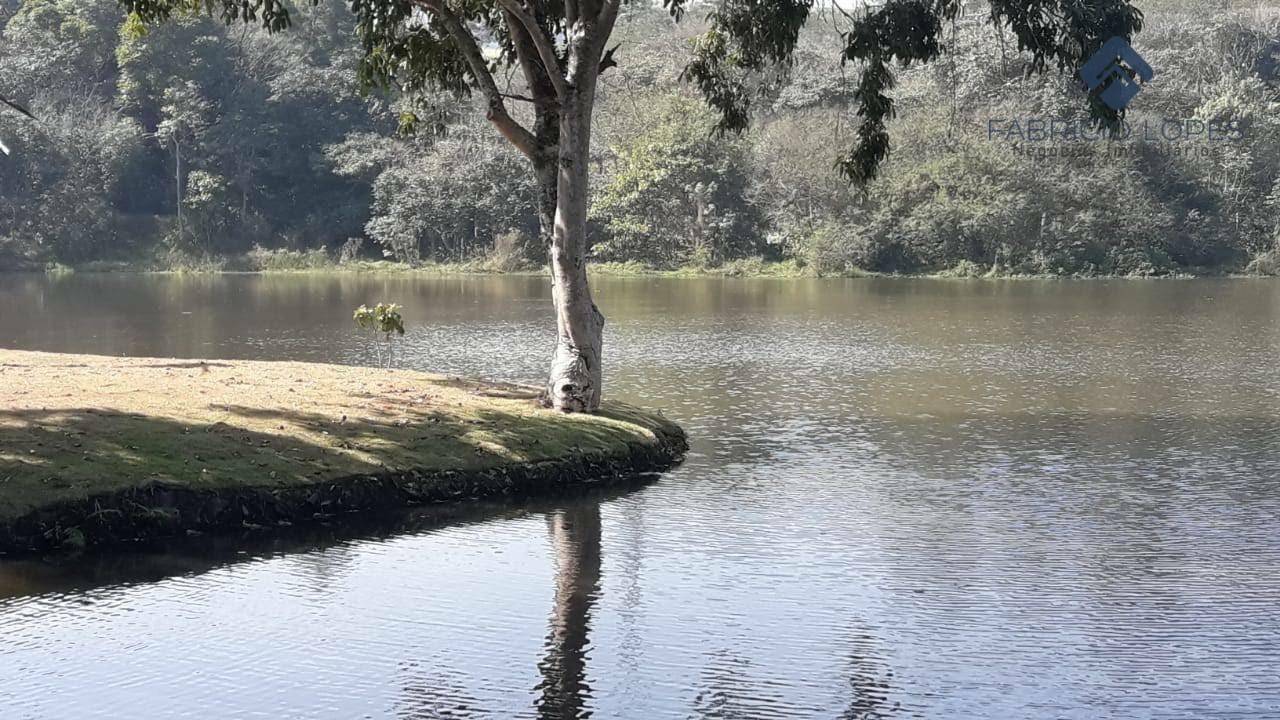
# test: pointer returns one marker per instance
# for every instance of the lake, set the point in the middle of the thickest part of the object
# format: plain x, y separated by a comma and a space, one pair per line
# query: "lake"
905, 498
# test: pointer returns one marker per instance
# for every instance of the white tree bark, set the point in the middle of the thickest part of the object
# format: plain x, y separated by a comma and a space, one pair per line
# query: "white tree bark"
564, 95
576, 380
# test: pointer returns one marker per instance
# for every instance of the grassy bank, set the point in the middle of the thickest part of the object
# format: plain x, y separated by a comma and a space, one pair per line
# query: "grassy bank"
100, 449
318, 262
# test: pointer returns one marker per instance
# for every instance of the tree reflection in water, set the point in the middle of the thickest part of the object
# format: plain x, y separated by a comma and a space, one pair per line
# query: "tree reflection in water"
730, 693
870, 682
726, 692
562, 694
726, 689
431, 695
575, 540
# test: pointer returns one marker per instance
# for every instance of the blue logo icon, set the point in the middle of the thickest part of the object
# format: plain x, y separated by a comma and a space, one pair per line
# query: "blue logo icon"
1113, 73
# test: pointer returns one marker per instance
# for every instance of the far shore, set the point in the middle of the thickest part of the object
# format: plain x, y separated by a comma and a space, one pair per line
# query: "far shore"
317, 263
97, 450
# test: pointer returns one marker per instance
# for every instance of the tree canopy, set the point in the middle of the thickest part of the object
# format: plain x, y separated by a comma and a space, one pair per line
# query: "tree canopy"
416, 46
292, 159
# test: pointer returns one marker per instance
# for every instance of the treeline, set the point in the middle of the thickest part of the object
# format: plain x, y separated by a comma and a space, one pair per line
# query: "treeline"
200, 145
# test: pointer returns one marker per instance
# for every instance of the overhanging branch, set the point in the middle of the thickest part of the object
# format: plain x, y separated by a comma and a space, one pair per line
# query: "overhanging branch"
497, 114
535, 74
608, 15
542, 42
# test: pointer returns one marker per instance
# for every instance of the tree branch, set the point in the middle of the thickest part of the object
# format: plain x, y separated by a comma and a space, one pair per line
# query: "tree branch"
587, 39
525, 98
17, 107
608, 16
542, 42
535, 75
513, 131
605, 21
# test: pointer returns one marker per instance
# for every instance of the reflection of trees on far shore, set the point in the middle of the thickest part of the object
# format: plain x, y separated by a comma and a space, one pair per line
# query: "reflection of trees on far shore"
728, 691
870, 682
434, 694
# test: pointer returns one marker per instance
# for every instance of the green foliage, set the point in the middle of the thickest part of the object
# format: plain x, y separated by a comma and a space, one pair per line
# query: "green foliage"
748, 37
415, 47
382, 319
132, 119
59, 184
838, 250
440, 198
285, 260
951, 198
255, 110
675, 194
58, 47
270, 151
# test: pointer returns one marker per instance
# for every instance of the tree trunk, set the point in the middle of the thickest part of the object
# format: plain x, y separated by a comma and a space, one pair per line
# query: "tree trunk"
544, 168
177, 182
575, 381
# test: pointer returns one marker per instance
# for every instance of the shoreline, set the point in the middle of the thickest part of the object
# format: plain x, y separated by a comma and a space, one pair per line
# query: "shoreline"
143, 449
744, 271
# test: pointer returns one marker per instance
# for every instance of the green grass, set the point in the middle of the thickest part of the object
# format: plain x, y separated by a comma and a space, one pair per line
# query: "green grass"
318, 262
748, 267
74, 427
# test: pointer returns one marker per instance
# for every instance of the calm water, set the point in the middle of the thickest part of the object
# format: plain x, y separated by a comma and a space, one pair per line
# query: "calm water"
905, 499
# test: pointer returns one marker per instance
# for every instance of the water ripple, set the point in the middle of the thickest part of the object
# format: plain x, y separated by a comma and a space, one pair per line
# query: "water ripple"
904, 499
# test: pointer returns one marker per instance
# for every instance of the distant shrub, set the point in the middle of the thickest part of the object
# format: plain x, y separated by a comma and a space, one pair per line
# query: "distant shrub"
350, 250
1267, 263
509, 253
838, 250
1148, 261
629, 267
744, 267
965, 269
260, 258
176, 258
755, 267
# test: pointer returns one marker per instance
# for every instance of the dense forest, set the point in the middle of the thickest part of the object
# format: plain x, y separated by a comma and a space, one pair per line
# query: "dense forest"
197, 145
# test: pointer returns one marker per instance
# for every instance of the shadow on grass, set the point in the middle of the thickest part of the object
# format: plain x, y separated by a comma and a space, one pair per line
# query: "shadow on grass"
479, 388
96, 475
51, 455
405, 436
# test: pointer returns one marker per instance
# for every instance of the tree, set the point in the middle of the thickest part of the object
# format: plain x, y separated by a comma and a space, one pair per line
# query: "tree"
677, 195
561, 48
56, 189
59, 47
443, 198
266, 106
186, 117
